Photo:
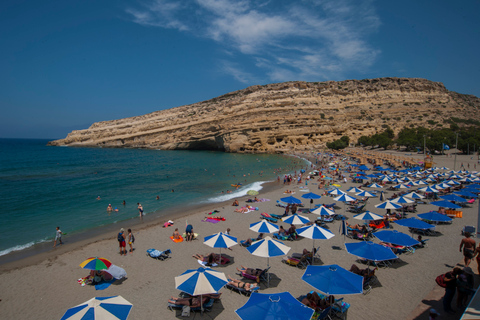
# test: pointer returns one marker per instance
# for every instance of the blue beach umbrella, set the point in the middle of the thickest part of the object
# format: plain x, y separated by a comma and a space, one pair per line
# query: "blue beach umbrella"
367, 215
311, 195
396, 237
264, 227
414, 223
200, 281
115, 307
464, 193
296, 219
370, 251
220, 240
274, 306
363, 167
333, 280
445, 204
453, 197
434, 216
291, 200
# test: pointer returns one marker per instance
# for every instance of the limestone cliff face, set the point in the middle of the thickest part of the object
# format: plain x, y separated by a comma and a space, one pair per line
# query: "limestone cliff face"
286, 116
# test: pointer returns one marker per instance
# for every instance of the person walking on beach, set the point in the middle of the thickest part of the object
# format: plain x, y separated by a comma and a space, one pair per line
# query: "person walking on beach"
468, 245
121, 242
58, 236
451, 287
131, 240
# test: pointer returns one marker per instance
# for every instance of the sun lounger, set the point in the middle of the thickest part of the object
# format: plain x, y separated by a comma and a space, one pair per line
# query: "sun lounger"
299, 262
159, 255
260, 275
276, 216
281, 204
241, 290
207, 306
268, 217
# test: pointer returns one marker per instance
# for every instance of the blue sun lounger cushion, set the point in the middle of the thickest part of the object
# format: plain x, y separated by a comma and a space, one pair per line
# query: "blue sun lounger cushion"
160, 255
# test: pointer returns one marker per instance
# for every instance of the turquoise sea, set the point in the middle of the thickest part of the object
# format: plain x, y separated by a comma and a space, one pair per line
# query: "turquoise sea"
43, 187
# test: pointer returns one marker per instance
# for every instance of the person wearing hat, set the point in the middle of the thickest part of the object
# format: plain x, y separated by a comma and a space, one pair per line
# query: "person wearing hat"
433, 314
121, 242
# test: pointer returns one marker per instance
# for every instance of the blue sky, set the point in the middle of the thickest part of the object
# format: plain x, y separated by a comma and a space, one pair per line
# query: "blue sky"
67, 64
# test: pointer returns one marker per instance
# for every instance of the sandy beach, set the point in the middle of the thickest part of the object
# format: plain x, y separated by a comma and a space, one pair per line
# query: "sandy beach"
45, 286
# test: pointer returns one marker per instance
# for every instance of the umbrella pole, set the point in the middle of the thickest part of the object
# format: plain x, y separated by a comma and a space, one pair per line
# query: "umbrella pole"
220, 263
313, 252
268, 272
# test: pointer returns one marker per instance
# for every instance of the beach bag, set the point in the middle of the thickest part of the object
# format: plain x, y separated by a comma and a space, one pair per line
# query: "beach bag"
120, 237
133, 238
186, 311
440, 280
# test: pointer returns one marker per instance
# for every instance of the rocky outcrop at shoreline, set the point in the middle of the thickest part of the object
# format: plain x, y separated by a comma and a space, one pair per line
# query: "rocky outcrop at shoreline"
283, 117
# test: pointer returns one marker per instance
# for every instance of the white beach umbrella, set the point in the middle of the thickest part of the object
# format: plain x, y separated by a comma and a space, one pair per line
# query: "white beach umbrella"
375, 185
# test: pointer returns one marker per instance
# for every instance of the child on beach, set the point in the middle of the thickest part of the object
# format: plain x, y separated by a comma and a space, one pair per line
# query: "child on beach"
131, 240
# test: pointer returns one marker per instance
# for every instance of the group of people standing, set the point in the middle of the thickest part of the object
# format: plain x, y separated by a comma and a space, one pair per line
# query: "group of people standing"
122, 239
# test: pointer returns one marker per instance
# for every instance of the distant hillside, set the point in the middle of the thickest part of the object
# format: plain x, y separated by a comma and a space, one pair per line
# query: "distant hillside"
286, 116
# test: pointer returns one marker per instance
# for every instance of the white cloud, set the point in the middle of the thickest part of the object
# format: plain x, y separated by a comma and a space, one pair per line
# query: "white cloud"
305, 40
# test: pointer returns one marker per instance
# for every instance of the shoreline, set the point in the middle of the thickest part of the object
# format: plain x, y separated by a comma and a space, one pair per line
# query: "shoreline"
150, 282
45, 251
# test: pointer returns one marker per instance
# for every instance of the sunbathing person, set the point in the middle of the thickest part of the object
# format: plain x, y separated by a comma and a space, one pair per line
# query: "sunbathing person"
253, 272
241, 285
249, 241
209, 259
314, 301
282, 232
366, 273
176, 234
193, 302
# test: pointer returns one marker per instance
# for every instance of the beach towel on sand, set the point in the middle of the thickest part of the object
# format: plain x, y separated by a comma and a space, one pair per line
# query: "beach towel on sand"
211, 220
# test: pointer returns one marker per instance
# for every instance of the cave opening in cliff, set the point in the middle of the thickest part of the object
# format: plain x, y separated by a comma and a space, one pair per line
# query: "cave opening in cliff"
208, 145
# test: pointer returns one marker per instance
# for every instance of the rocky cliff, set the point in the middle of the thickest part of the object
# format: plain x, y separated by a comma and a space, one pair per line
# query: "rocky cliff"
286, 116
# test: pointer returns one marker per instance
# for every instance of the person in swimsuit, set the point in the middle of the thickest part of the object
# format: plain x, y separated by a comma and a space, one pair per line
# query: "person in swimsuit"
241, 285
468, 245
477, 255
193, 302
176, 234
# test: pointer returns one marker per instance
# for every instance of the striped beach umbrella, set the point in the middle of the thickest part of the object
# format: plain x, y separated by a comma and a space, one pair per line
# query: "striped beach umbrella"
220, 240
115, 307
200, 281
96, 263
364, 193
388, 205
296, 219
367, 215
402, 200
323, 211
263, 227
